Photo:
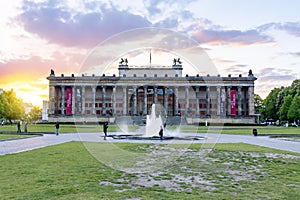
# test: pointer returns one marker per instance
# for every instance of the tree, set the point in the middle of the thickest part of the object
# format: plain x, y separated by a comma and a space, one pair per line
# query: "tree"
258, 103
11, 107
294, 111
34, 113
271, 104
278, 104
2, 106
284, 109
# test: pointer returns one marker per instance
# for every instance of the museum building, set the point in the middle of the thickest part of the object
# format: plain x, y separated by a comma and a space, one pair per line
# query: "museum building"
131, 93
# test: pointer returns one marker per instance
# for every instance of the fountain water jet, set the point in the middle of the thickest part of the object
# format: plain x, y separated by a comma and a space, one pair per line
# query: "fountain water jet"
153, 123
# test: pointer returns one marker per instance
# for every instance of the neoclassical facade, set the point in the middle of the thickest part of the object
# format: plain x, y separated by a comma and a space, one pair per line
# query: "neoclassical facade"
132, 92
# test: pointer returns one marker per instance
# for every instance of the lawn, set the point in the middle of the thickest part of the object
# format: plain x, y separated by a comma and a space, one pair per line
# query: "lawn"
69, 128
75, 170
14, 136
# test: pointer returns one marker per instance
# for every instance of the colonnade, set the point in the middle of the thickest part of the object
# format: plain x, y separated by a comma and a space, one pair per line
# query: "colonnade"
191, 94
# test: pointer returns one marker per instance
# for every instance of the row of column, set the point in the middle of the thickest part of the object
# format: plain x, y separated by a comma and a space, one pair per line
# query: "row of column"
165, 99
81, 98
187, 99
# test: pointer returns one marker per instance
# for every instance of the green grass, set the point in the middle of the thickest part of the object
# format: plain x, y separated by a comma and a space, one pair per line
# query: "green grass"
14, 136
230, 171
69, 128
242, 130
64, 128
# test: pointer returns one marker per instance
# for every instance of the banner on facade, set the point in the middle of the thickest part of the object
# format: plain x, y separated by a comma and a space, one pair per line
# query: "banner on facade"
233, 102
69, 101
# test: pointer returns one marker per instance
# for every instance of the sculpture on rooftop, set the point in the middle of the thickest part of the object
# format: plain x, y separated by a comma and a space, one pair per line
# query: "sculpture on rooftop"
250, 73
52, 72
123, 61
175, 61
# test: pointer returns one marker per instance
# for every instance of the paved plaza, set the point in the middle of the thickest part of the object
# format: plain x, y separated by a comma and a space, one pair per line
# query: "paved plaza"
27, 144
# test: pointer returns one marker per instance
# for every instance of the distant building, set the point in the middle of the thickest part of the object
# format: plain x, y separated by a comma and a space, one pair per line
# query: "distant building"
45, 110
195, 99
1, 90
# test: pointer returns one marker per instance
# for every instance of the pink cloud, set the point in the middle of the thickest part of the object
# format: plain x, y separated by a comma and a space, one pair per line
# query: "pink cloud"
62, 26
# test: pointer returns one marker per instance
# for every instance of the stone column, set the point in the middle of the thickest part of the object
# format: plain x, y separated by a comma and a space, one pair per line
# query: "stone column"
166, 100
239, 100
251, 100
176, 100
155, 94
145, 101
228, 101
73, 100
52, 99
114, 100
218, 100
187, 101
93, 100
103, 100
197, 101
207, 100
83, 100
63, 97
124, 100
134, 94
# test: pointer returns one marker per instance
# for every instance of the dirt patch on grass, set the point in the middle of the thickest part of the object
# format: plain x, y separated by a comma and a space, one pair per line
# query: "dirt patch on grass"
183, 169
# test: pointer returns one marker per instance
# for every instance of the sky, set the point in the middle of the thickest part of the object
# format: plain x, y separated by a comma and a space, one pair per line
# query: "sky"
69, 35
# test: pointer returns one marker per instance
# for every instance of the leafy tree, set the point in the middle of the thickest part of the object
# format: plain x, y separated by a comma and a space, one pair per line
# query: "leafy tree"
258, 103
278, 104
2, 106
34, 113
284, 109
11, 107
294, 89
271, 104
294, 111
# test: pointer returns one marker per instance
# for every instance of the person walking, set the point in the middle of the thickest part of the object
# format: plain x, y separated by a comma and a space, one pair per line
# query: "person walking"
19, 126
105, 127
26, 127
161, 133
57, 128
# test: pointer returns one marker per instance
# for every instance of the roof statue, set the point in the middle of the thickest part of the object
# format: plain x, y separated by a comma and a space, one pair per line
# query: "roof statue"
52, 72
123, 61
175, 61
250, 73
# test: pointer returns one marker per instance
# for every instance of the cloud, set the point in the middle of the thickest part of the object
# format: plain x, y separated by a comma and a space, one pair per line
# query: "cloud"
269, 78
231, 37
293, 28
237, 69
58, 24
296, 54
270, 73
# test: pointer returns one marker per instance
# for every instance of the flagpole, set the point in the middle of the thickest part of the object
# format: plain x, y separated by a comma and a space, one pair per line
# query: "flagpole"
150, 58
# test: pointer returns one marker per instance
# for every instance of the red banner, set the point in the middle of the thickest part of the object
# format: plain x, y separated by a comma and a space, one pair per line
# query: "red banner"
233, 102
69, 101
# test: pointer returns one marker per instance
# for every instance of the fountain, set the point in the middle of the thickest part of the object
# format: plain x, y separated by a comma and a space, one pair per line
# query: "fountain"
153, 123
